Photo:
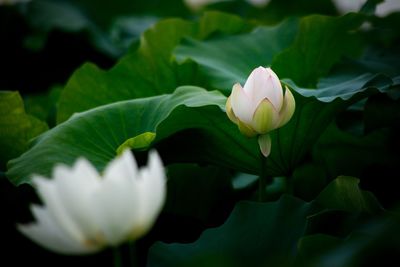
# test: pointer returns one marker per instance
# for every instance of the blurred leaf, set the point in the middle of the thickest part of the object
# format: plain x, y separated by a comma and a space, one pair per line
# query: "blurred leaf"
381, 112
292, 142
255, 234
370, 6
104, 12
43, 105
373, 244
303, 50
16, 127
46, 16
320, 43
198, 197
312, 247
201, 193
308, 180
343, 207
278, 10
147, 71
128, 29
275, 10
342, 152
230, 59
343, 193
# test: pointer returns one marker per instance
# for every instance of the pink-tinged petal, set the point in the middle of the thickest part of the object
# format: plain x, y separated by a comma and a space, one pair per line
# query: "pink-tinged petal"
288, 108
263, 83
264, 141
276, 92
241, 104
266, 117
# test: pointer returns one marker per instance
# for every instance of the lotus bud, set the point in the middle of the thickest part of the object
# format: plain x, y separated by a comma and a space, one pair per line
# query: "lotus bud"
261, 106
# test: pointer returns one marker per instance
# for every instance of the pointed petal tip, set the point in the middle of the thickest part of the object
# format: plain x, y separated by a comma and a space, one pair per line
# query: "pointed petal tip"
288, 107
154, 158
264, 141
241, 104
266, 117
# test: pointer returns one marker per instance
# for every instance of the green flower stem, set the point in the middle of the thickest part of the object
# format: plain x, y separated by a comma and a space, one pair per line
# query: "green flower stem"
125, 255
117, 252
263, 180
133, 259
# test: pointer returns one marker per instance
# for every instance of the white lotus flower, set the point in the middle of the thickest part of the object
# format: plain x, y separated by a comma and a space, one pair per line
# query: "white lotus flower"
84, 212
260, 106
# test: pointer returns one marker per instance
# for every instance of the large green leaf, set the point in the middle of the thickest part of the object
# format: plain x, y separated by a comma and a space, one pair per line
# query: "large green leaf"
343, 152
320, 43
198, 197
255, 234
45, 16
97, 134
315, 109
342, 207
146, 71
228, 60
344, 194
273, 233
43, 105
303, 50
373, 244
16, 127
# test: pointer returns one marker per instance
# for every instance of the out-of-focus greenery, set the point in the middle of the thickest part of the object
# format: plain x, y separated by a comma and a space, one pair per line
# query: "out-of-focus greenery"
88, 78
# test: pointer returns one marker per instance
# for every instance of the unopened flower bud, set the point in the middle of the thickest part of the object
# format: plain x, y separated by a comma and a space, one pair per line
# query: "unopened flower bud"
260, 106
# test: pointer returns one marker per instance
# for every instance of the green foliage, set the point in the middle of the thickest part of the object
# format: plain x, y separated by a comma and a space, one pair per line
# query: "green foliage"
229, 59
256, 234
320, 43
168, 92
146, 71
16, 127
344, 194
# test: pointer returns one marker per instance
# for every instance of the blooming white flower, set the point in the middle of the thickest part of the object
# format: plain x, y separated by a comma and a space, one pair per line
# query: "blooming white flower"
84, 212
260, 106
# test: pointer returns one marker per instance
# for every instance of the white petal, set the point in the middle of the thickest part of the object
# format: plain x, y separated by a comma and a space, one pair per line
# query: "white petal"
263, 83
241, 104
50, 235
152, 191
75, 186
288, 108
276, 93
115, 202
50, 196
